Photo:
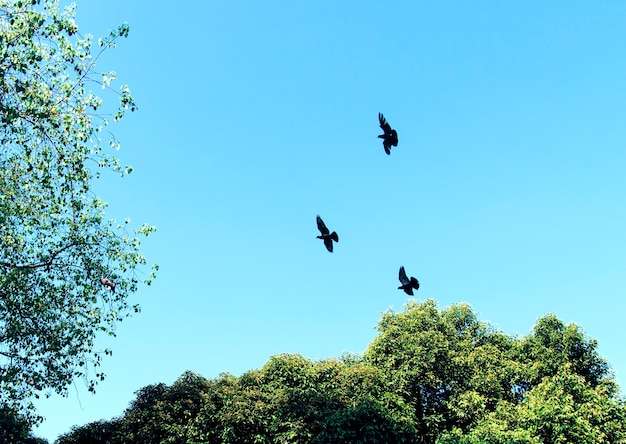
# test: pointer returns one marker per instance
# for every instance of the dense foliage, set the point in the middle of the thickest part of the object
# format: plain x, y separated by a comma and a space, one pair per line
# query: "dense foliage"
436, 376
55, 245
15, 429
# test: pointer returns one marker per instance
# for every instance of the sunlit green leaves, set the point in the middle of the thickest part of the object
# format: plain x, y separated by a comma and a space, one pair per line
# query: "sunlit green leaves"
55, 244
469, 383
433, 376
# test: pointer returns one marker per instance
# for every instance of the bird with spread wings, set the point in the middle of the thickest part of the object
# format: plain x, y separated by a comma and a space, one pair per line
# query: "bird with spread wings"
390, 136
326, 236
407, 284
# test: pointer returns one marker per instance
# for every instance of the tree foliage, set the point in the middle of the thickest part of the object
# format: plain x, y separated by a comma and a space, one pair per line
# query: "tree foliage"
432, 375
15, 429
55, 244
446, 364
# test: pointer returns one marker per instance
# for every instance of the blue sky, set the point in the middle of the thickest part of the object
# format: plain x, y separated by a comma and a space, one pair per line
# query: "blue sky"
506, 190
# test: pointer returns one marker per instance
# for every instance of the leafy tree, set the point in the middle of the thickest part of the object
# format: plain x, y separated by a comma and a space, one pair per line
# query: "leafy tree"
294, 400
561, 409
368, 421
566, 408
207, 426
290, 400
553, 345
567, 394
142, 421
98, 432
430, 376
323, 401
55, 245
450, 367
15, 429
162, 413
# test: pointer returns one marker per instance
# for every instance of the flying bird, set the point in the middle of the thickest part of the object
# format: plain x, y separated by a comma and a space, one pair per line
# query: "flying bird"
390, 137
108, 283
407, 284
327, 236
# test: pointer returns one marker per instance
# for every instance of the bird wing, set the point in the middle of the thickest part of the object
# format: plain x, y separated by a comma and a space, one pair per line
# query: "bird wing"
321, 226
415, 283
383, 124
329, 244
402, 276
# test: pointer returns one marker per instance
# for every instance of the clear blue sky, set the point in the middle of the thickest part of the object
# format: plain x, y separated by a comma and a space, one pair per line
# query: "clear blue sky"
507, 189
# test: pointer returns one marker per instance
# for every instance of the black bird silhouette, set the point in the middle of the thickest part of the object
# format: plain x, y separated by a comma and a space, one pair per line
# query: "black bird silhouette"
327, 236
108, 283
390, 137
407, 284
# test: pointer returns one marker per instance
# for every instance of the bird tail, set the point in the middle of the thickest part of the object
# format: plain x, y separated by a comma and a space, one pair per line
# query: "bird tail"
334, 236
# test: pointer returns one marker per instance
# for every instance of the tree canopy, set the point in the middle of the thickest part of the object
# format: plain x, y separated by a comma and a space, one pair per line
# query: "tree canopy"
437, 376
15, 429
55, 243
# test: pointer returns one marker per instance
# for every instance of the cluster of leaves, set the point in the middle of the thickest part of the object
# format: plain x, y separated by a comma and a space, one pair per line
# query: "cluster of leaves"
55, 244
469, 383
289, 400
15, 429
431, 376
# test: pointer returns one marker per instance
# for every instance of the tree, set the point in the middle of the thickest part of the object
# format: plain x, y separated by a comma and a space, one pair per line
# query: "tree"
450, 367
163, 413
561, 409
55, 245
553, 344
431, 376
566, 393
97, 432
294, 400
15, 429
290, 400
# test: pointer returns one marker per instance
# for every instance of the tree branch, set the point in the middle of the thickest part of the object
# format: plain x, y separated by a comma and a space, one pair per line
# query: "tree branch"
47, 263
